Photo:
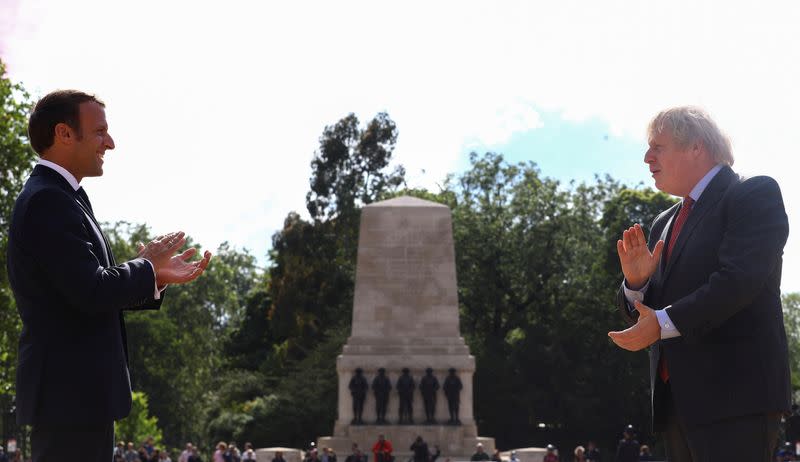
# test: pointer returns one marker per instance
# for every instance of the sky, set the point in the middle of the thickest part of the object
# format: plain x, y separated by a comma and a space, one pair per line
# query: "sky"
217, 107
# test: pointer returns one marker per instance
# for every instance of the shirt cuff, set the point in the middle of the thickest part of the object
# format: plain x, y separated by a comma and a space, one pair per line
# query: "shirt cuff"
635, 295
668, 329
156, 291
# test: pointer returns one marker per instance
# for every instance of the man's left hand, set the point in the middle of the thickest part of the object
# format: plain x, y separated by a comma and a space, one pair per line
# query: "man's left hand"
641, 335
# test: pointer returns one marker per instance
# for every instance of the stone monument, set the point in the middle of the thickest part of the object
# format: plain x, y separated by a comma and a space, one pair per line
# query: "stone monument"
405, 315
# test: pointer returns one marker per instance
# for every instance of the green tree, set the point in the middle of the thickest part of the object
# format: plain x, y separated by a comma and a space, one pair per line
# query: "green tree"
175, 353
16, 160
139, 425
313, 267
295, 321
791, 319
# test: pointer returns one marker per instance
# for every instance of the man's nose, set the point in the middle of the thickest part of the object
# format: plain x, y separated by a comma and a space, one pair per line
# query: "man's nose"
109, 142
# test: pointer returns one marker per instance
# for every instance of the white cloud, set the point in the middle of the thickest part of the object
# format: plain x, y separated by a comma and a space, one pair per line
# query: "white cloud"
217, 107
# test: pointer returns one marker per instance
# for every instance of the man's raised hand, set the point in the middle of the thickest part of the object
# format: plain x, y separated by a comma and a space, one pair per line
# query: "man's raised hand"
171, 268
638, 263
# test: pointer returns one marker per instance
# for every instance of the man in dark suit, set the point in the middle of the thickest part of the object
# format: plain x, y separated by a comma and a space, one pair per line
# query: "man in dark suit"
70, 291
704, 294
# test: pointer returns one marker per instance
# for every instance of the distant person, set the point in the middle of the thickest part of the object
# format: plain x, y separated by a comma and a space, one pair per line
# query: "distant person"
328, 455
184, 457
313, 456
278, 457
580, 454
382, 450
420, 449
356, 455
593, 453
628, 447
702, 293
644, 454
496, 456
130, 454
513, 457
248, 454
119, 451
195, 456
233, 454
550, 454
479, 454
219, 454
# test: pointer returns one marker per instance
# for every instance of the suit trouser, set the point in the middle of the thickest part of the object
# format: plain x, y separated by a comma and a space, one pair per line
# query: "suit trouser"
749, 438
67, 443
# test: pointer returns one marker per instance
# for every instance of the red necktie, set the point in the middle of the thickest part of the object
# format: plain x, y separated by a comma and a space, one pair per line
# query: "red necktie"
676, 229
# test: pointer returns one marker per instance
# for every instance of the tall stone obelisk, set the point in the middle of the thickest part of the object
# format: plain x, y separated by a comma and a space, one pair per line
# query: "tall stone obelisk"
405, 315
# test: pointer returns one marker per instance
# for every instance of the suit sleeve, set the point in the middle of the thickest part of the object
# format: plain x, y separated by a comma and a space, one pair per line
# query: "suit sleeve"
60, 245
629, 313
749, 254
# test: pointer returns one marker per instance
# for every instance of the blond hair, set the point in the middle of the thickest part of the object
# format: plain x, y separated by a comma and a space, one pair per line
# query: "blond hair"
690, 124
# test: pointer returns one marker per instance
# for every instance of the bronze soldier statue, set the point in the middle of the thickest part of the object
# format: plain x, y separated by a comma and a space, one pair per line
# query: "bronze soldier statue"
428, 386
358, 390
452, 390
381, 387
405, 390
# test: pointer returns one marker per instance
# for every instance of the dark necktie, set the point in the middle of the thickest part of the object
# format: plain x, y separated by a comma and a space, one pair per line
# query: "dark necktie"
83, 198
683, 214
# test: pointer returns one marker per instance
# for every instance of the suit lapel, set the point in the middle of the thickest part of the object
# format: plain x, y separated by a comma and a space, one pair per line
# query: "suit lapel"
665, 237
61, 182
712, 194
83, 201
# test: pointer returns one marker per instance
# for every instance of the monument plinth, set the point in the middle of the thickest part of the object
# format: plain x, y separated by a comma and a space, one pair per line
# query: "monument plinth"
405, 315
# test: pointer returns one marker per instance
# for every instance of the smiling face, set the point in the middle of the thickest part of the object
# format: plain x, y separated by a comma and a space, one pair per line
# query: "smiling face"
90, 146
675, 169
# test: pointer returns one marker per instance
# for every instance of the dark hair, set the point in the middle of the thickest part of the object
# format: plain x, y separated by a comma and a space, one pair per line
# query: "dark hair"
60, 106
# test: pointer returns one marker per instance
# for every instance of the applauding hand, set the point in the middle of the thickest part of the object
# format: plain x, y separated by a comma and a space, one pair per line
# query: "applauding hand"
171, 268
642, 334
638, 264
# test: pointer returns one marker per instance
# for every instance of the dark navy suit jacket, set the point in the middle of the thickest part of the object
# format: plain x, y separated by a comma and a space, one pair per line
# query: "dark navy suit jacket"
72, 365
723, 284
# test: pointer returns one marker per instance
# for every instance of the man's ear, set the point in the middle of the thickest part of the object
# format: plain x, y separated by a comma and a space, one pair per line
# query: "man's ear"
698, 149
64, 133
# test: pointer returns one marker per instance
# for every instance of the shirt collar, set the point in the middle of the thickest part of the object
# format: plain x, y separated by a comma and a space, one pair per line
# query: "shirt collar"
62, 171
698, 189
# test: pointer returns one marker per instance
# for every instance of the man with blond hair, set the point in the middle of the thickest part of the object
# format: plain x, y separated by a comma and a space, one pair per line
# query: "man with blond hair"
703, 292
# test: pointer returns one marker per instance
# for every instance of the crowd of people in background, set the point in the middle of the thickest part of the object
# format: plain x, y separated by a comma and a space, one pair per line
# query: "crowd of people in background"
628, 449
148, 452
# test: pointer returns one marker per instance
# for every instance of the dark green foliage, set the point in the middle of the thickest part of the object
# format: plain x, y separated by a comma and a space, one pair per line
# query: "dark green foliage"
16, 161
176, 352
348, 170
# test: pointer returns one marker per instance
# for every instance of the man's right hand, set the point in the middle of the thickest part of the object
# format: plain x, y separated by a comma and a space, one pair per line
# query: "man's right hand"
171, 268
638, 263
